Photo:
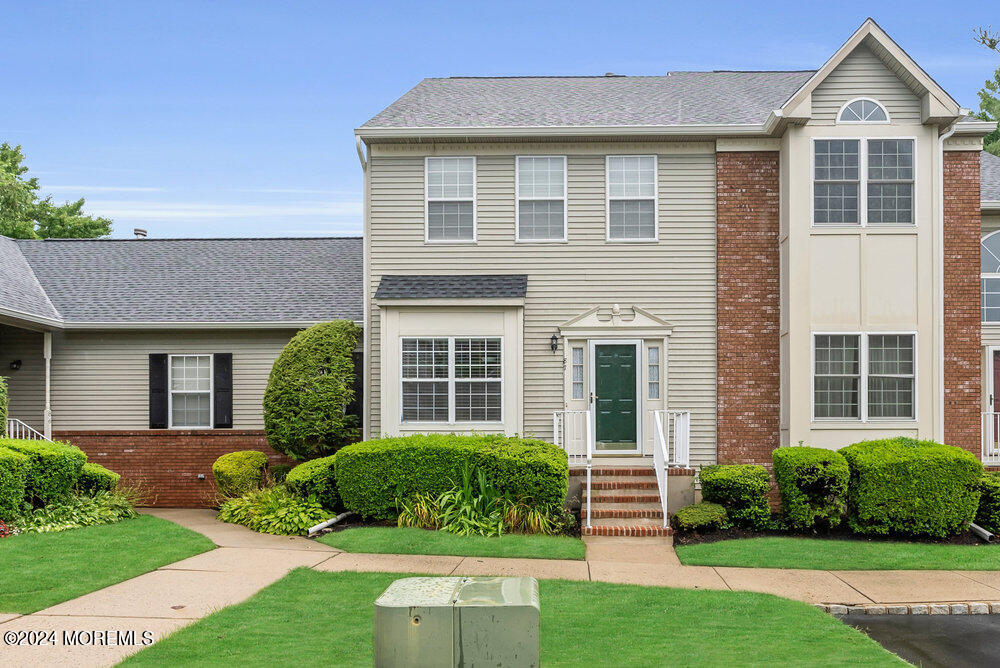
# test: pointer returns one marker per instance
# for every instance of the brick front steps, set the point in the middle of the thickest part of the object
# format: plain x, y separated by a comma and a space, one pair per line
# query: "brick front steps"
626, 502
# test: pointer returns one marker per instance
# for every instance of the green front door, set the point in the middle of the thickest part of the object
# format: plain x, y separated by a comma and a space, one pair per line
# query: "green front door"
615, 400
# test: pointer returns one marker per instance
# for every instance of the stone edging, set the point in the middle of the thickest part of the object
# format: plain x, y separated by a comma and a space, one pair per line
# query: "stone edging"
971, 608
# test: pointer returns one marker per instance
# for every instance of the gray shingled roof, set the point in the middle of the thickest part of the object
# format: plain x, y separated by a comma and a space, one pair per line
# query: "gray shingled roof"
465, 286
680, 98
989, 177
198, 280
19, 289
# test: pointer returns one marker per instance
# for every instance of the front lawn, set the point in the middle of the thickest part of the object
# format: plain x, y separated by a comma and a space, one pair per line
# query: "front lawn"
842, 555
388, 540
42, 569
313, 618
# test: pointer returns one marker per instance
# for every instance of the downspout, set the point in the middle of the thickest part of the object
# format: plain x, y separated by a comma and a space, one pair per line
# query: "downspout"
366, 326
939, 435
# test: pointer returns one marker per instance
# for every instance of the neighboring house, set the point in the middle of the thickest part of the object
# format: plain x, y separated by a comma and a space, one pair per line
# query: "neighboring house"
713, 264
153, 355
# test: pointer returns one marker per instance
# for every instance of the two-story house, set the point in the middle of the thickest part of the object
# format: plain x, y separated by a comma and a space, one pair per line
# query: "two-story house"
700, 266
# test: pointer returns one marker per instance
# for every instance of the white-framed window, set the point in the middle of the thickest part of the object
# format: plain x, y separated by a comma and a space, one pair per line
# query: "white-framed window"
864, 376
190, 396
451, 199
653, 371
989, 277
863, 110
631, 198
541, 197
452, 379
864, 181
577, 370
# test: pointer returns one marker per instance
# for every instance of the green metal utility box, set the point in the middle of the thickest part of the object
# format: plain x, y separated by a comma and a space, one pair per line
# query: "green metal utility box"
457, 621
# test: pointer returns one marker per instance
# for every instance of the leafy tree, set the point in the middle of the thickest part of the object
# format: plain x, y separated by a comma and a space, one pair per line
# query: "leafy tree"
989, 95
23, 215
308, 392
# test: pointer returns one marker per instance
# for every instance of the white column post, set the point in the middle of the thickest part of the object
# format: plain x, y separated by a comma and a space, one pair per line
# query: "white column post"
47, 352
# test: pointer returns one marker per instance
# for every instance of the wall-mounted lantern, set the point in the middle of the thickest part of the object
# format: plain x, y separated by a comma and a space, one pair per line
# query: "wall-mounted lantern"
554, 343
15, 365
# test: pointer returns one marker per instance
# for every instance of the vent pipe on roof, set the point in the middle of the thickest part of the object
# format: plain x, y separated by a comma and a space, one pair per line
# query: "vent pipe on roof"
139, 232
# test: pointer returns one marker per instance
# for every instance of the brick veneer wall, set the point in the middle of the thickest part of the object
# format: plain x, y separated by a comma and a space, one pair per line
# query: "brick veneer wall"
748, 275
962, 328
167, 461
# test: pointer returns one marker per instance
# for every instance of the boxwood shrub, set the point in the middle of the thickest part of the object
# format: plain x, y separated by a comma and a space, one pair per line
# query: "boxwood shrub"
3, 406
53, 468
236, 473
95, 478
373, 475
988, 513
700, 517
813, 486
13, 475
315, 478
907, 487
742, 489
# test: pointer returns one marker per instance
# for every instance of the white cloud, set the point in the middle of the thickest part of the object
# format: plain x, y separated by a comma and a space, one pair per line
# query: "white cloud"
124, 209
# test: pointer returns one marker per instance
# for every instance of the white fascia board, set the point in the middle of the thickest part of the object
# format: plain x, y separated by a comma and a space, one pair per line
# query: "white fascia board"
181, 324
31, 318
375, 133
975, 128
990, 205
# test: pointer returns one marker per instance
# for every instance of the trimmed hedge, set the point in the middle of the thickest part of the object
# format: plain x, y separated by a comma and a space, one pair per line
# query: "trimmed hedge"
988, 513
702, 516
237, 473
373, 475
3, 406
813, 486
308, 390
315, 478
907, 487
13, 475
742, 489
95, 478
53, 468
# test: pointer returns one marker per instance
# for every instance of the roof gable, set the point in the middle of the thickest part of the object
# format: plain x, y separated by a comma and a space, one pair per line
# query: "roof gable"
937, 106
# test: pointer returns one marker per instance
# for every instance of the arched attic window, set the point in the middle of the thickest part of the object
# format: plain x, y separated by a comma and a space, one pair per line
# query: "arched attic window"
989, 268
863, 110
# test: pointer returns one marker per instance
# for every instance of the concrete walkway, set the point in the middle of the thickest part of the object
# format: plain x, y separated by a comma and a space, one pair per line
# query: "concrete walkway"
175, 595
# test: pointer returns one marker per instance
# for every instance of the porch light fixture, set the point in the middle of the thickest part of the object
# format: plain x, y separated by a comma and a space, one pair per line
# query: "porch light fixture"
554, 343
15, 365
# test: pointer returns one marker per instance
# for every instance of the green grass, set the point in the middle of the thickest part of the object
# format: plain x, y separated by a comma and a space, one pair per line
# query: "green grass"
42, 569
387, 540
312, 618
840, 555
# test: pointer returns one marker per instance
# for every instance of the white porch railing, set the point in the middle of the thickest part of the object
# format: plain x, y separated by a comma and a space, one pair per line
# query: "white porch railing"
991, 438
671, 447
572, 432
19, 430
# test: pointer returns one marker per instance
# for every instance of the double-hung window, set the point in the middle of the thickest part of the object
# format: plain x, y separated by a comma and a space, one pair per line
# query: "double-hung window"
541, 198
452, 379
190, 394
864, 376
863, 181
989, 276
451, 199
631, 188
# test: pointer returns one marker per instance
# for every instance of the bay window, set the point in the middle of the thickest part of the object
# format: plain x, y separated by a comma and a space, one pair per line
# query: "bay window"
452, 379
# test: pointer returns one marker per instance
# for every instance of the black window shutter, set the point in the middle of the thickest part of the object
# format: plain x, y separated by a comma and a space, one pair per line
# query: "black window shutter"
222, 381
356, 407
158, 391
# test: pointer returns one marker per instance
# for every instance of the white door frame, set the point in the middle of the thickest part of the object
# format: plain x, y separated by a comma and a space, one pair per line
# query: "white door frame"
639, 397
990, 440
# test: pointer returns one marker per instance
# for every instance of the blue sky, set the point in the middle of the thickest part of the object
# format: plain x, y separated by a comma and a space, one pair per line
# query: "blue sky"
236, 118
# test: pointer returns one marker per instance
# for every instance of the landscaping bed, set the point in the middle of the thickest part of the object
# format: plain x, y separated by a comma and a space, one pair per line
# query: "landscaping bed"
582, 623
404, 540
42, 569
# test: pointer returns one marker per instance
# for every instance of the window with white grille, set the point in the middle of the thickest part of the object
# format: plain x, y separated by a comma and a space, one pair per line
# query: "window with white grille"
190, 385
541, 198
453, 379
863, 182
451, 199
631, 195
864, 376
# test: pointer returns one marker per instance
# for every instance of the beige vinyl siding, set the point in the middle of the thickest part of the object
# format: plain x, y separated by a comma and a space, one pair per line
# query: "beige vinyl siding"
863, 74
673, 278
100, 380
991, 222
26, 386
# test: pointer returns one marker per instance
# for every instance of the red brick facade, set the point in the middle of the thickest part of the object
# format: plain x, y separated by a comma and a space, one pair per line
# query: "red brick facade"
748, 275
167, 462
962, 328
